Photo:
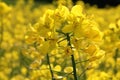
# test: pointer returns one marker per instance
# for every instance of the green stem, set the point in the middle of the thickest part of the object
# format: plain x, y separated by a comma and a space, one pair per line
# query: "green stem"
72, 58
74, 67
48, 61
68, 39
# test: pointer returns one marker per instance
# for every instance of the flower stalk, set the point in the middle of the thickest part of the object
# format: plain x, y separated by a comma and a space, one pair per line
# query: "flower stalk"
48, 61
72, 58
74, 67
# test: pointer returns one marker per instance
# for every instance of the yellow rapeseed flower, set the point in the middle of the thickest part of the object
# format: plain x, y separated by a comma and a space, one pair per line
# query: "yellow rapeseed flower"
68, 69
61, 13
77, 10
57, 68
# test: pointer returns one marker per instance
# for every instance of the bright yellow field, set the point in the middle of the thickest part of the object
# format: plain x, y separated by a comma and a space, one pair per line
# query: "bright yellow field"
59, 41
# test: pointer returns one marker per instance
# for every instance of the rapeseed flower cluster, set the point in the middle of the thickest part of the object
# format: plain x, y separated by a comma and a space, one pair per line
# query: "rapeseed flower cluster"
72, 33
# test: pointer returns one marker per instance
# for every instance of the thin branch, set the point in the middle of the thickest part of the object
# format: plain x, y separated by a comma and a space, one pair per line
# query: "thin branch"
74, 67
48, 60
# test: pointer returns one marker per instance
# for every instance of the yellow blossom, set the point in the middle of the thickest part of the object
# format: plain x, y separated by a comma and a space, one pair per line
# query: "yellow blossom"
91, 49
61, 13
68, 69
57, 68
77, 10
